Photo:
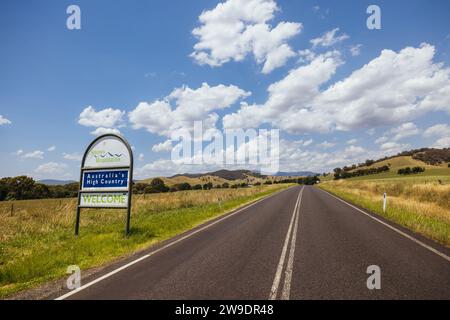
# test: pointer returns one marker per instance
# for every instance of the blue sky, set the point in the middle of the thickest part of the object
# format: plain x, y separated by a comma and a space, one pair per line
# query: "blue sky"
132, 52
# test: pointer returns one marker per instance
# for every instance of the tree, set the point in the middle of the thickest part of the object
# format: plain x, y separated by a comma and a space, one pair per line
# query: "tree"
158, 185
207, 186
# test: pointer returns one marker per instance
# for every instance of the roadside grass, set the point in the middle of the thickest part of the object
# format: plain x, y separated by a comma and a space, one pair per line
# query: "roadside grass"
37, 242
420, 205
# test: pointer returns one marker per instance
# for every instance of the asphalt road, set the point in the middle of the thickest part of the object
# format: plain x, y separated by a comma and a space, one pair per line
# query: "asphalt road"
301, 243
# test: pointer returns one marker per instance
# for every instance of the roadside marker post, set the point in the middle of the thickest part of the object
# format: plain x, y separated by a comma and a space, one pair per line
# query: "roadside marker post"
106, 176
384, 202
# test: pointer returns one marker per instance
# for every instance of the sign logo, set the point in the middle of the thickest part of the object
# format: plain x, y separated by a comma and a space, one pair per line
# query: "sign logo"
102, 156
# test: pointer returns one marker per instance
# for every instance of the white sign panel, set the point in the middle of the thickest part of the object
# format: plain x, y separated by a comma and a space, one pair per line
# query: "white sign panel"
104, 199
109, 151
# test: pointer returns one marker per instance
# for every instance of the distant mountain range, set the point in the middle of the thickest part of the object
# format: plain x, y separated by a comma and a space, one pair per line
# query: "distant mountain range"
243, 174
224, 174
54, 182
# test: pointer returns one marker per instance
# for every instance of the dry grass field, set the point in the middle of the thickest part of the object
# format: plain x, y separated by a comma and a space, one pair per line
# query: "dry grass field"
421, 204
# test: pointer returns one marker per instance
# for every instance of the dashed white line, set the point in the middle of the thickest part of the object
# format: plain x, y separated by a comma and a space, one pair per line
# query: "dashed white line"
290, 265
276, 281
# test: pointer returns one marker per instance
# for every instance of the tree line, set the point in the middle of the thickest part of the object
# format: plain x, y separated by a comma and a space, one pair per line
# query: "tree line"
409, 170
344, 173
23, 187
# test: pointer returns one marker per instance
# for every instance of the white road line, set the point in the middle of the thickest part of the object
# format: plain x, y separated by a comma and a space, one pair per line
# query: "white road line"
441, 254
290, 265
87, 285
279, 271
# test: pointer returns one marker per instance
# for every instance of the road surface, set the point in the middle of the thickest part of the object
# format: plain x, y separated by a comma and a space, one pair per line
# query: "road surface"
301, 243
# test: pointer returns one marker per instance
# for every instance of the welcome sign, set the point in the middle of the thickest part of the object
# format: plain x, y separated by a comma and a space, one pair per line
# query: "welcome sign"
104, 200
106, 176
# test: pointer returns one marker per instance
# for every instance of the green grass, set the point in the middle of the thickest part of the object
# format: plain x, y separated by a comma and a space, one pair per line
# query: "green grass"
37, 251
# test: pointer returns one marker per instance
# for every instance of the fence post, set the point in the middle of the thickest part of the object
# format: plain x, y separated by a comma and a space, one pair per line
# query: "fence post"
12, 209
384, 202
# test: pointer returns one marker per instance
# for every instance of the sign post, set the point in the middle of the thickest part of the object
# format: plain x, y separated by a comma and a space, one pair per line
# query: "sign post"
106, 176
384, 202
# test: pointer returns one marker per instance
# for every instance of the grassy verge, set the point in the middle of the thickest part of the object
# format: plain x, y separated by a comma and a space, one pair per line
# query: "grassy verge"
37, 242
421, 207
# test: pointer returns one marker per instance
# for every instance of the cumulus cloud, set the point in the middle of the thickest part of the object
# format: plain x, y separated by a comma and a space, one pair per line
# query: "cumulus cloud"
163, 146
4, 121
329, 38
37, 154
183, 106
391, 148
326, 145
355, 50
400, 132
394, 87
237, 28
441, 132
51, 168
101, 130
108, 117
51, 148
72, 156
352, 141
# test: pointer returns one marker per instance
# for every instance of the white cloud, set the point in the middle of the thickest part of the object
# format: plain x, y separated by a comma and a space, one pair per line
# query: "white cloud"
237, 28
390, 148
184, 106
355, 50
51, 168
286, 106
72, 156
438, 130
326, 145
391, 89
441, 132
398, 133
18, 152
328, 38
3, 120
352, 141
141, 157
101, 130
404, 130
163, 146
108, 118
443, 142
37, 154
51, 148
